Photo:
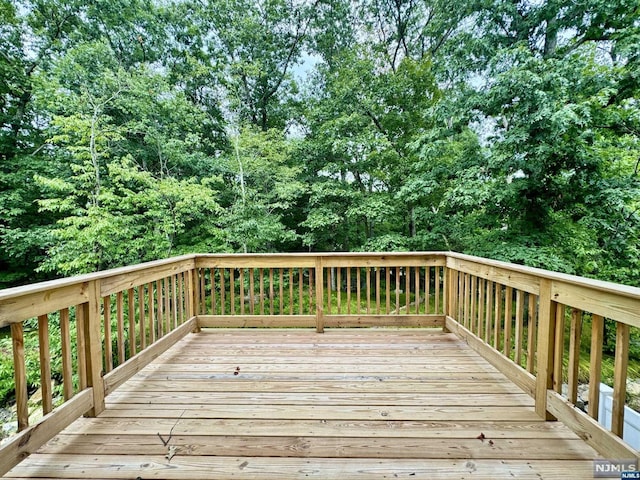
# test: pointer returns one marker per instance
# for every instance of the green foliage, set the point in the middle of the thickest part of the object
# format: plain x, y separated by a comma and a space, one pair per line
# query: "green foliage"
137, 130
264, 186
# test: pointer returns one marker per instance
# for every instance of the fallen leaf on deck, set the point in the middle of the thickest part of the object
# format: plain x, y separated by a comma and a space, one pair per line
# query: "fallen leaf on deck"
172, 452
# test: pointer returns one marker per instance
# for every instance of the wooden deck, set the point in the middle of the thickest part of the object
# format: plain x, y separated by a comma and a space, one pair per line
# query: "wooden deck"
293, 404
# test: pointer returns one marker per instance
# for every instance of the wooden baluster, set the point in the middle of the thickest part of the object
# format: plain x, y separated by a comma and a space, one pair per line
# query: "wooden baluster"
174, 300
377, 290
519, 326
531, 334
311, 275
358, 274
108, 348
20, 375
460, 299
387, 279
473, 309
223, 292
291, 280
271, 291
467, 299
202, 291
454, 296
595, 364
132, 322
574, 354
120, 326
241, 295
167, 303
81, 348
348, 290
252, 287
620, 378
188, 295
160, 309
417, 289
481, 304
407, 288
181, 297
497, 330
281, 291
437, 288
212, 275
339, 290
445, 292
329, 278
487, 312
232, 290
192, 296
301, 291
508, 321
141, 322
65, 347
152, 313
261, 280
45, 363
427, 290
398, 286
368, 279
558, 352
319, 271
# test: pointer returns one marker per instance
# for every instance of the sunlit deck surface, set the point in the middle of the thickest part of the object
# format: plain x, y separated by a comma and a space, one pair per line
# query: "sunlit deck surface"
293, 404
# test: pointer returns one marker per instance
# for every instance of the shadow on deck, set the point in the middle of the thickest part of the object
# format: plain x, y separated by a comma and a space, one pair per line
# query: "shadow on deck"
291, 404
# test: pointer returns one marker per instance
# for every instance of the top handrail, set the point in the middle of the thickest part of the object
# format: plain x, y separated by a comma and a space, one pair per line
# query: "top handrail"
14, 292
601, 285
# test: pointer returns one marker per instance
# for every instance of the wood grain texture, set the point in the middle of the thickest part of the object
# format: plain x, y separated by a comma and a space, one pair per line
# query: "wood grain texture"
289, 403
294, 468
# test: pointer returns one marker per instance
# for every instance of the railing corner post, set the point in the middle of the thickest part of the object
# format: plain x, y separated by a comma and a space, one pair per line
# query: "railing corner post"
546, 343
319, 296
193, 295
93, 346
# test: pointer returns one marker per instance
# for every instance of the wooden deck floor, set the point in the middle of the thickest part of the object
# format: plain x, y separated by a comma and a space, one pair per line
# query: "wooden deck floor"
293, 404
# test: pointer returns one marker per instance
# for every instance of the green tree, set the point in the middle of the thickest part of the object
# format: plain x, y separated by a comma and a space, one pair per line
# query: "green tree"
264, 186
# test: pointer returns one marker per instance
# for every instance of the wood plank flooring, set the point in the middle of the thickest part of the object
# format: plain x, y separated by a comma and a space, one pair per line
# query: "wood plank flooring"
293, 404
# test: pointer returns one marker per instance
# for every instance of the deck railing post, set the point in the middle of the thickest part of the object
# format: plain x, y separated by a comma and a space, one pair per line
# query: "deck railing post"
319, 296
446, 295
452, 293
93, 346
546, 343
195, 286
193, 295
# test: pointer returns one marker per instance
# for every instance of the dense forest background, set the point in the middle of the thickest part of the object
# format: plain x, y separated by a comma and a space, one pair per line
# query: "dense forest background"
134, 130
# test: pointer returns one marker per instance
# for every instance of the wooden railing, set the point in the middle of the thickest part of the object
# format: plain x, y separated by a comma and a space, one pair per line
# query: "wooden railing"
111, 324
333, 290
528, 323
108, 326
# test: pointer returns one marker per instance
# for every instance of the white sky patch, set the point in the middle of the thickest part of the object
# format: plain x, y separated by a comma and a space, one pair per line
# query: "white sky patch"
305, 66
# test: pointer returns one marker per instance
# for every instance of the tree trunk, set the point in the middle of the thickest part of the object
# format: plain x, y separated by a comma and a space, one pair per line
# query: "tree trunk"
551, 37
